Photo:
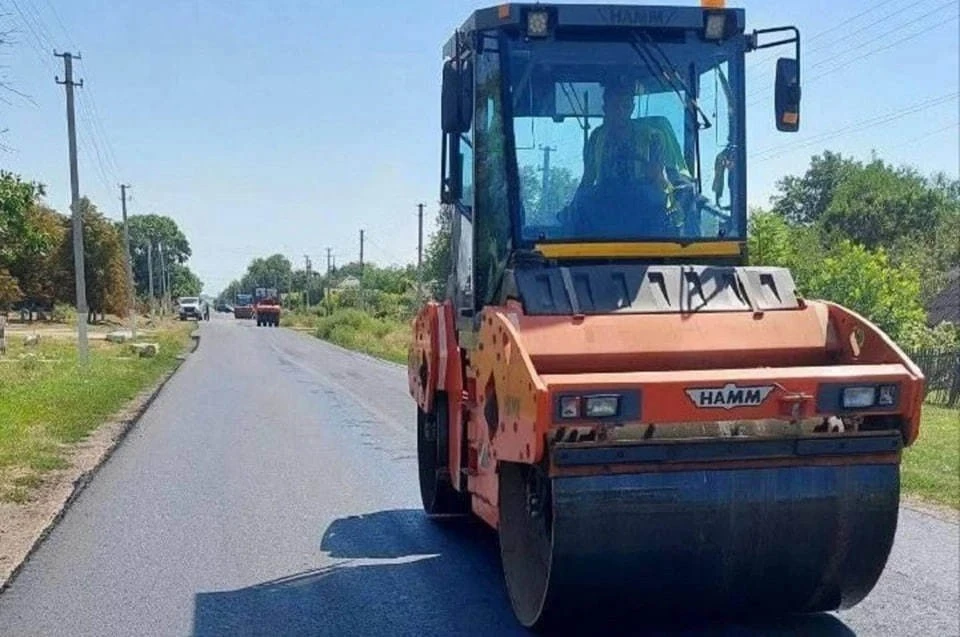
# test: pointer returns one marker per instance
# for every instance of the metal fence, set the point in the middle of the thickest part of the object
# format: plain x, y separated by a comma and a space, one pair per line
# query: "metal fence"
942, 371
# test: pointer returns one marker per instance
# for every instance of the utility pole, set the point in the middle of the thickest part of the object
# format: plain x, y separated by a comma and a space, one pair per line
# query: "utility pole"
126, 250
81, 282
420, 253
362, 304
163, 282
306, 287
150, 276
545, 182
326, 283
361, 251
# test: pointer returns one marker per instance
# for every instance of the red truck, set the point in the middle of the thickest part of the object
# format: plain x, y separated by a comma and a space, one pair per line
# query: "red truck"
266, 307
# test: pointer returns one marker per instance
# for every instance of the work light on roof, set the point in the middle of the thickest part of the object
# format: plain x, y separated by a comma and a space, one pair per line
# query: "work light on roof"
538, 24
716, 21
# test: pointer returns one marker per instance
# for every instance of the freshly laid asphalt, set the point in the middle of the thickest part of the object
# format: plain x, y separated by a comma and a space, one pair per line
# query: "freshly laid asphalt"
271, 489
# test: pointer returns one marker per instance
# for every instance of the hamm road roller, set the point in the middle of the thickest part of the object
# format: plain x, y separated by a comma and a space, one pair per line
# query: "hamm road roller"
650, 424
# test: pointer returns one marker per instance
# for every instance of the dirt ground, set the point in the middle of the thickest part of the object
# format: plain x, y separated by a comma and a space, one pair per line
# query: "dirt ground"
16, 329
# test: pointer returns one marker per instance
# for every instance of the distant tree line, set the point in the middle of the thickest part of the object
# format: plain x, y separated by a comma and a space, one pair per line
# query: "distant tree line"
36, 254
385, 292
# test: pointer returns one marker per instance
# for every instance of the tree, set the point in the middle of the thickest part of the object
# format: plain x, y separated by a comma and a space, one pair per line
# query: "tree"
864, 280
158, 230
437, 262
542, 204
17, 236
879, 206
868, 283
183, 282
804, 199
275, 271
774, 241
36, 267
104, 269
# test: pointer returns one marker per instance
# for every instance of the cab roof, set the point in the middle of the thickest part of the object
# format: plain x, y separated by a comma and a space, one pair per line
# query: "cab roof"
565, 16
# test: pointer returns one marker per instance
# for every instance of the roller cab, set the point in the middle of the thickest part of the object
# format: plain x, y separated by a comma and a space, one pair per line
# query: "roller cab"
651, 425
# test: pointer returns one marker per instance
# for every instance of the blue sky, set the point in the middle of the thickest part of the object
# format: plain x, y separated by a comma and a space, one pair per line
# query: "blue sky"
286, 126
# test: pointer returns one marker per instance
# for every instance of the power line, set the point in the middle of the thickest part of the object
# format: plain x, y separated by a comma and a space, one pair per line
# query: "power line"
776, 151
94, 164
882, 35
37, 44
38, 19
56, 16
843, 65
387, 253
94, 111
922, 136
85, 118
820, 34
89, 115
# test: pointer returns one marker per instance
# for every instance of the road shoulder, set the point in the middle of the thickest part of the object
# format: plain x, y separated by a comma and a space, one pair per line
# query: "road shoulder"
23, 527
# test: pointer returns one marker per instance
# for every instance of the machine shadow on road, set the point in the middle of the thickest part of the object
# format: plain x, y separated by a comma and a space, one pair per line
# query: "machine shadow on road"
401, 574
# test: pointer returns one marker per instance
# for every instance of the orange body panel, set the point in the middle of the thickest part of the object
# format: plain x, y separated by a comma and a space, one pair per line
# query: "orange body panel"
665, 399
630, 342
434, 365
520, 363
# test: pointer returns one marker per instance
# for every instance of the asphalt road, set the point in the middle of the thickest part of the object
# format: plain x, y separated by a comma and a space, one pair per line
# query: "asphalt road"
271, 489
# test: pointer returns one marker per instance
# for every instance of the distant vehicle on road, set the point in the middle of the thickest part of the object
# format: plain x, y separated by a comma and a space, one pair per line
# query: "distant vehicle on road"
243, 307
193, 307
267, 307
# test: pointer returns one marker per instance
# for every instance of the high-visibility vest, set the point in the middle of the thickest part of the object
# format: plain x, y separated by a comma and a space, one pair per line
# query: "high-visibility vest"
624, 156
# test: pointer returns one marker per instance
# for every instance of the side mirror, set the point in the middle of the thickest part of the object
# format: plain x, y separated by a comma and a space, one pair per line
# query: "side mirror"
450, 98
456, 99
787, 95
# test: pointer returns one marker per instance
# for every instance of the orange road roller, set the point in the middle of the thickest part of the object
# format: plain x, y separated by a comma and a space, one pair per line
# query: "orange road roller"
649, 423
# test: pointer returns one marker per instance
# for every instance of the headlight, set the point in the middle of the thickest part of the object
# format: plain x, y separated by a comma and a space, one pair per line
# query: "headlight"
858, 397
570, 407
887, 395
601, 406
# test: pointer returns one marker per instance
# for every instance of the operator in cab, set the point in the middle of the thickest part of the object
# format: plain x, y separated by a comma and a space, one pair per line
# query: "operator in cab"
626, 163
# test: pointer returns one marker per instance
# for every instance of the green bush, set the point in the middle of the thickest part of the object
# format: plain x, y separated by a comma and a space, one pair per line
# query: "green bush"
63, 313
354, 329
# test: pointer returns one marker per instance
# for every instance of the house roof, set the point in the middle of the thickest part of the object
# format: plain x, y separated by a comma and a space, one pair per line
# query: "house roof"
946, 305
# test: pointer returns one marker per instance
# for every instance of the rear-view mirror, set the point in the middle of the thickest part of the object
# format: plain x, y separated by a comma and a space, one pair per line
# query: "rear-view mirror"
456, 100
787, 95
450, 98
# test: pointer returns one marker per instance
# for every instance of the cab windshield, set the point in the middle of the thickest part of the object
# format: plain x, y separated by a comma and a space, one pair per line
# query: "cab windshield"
627, 140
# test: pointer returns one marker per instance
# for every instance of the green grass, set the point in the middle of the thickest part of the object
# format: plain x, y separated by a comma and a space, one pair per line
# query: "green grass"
48, 402
931, 467
359, 331
300, 319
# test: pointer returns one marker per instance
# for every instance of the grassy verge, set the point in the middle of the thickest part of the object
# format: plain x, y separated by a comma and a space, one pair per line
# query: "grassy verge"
299, 319
48, 402
359, 331
931, 467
